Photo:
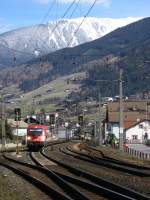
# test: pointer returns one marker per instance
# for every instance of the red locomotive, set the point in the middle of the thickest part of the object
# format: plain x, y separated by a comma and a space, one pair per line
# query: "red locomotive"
36, 135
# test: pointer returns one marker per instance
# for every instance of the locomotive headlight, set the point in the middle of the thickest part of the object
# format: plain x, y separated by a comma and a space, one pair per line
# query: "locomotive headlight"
28, 138
43, 138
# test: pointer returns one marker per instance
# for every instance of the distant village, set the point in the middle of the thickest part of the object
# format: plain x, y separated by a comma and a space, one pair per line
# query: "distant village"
136, 118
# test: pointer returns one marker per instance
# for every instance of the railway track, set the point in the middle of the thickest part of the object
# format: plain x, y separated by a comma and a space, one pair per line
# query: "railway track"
75, 181
24, 170
123, 167
107, 158
100, 182
71, 192
86, 184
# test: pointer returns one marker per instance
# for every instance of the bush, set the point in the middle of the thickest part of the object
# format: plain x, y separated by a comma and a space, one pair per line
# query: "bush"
111, 138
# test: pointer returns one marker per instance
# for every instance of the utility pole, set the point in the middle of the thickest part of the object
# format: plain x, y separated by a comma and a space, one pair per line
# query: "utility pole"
95, 133
3, 123
121, 136
100, 121
17, 147
100, 138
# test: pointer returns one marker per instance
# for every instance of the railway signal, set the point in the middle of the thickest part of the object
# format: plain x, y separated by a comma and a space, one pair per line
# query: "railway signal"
17, 114
3, 122
17, 118
80, 120
52, 119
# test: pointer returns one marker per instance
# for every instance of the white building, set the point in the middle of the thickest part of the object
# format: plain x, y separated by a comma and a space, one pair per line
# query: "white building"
20, 131
138, 132
136, 121
129, 119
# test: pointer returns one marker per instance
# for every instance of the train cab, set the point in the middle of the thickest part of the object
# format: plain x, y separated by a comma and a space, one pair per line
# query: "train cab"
36, 135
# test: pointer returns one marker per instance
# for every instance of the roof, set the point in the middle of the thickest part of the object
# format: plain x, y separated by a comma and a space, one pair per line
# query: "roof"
130, 119
127, 125
132, 125
128, 106
127, 116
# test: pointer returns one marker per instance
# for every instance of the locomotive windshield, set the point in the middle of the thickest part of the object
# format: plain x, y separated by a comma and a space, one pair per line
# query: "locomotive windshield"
35, 131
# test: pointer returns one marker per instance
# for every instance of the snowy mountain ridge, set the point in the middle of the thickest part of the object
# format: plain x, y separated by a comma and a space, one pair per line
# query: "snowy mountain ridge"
45, 38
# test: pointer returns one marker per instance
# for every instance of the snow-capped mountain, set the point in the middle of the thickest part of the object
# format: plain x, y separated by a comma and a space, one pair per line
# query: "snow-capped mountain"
29, 42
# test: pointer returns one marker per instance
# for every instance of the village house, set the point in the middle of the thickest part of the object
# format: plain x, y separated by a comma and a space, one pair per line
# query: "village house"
139, 132
136, 122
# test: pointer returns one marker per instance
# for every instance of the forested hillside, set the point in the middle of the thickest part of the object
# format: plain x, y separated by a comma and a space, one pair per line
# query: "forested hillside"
127, 47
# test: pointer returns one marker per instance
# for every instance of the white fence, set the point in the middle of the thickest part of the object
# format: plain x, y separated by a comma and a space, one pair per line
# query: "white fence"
137, 153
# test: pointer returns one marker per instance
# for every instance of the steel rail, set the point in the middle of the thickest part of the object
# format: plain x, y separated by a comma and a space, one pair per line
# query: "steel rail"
110, 194
36, 182
106, 163
128, 193
99, 190
72, 191
107, 158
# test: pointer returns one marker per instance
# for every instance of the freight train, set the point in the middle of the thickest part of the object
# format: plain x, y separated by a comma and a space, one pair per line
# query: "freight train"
36, 136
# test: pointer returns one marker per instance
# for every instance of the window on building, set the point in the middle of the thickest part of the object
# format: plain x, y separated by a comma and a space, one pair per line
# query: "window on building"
140, 125
109, 127
134, 137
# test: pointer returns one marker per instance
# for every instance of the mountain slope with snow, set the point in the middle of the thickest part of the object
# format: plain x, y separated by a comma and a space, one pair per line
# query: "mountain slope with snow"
30, 42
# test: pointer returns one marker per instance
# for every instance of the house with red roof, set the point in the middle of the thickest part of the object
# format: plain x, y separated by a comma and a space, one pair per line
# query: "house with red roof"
136, 120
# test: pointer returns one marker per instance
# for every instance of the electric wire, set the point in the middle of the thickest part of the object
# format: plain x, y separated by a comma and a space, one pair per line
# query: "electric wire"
52, 31
63, 16
46, 15
73, 11
43, 20
76, 6
91, 7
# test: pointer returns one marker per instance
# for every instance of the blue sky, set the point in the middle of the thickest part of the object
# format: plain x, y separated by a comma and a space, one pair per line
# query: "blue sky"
18, 13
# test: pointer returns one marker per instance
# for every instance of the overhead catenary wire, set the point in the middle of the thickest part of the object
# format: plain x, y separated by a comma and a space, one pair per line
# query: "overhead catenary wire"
87, 13
73, 11
67, 10
49, 10
46, 15
63, 16
43, 20
76, 6
91, 7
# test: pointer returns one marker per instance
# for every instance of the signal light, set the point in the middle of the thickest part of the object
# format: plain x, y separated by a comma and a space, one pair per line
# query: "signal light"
17, 114
28, 138
80, 120
52, 119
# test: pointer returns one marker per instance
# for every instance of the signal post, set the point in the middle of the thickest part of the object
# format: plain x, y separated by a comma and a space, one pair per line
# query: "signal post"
3, 124
17, 119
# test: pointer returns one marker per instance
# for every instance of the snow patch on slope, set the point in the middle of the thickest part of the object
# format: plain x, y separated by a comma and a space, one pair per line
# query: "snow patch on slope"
45, 38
